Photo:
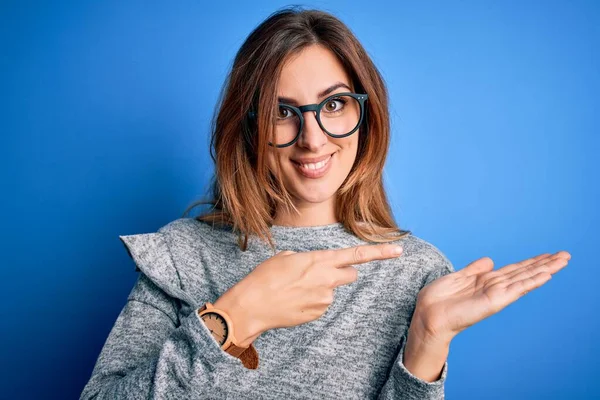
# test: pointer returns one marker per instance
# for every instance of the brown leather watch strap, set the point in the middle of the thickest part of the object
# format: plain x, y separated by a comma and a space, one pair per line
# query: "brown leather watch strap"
250, 357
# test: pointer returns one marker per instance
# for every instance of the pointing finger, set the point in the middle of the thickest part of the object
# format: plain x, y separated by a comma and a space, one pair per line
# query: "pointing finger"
361, 254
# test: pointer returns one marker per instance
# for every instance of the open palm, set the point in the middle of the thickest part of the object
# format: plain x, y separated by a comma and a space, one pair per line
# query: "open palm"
458, 300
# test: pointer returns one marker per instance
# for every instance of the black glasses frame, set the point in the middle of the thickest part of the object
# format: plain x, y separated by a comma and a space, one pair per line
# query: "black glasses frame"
361, 97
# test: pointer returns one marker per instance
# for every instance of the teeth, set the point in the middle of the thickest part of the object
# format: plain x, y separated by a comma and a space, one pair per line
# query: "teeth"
318, 165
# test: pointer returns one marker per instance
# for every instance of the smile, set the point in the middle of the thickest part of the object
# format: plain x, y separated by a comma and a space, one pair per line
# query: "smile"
316, 170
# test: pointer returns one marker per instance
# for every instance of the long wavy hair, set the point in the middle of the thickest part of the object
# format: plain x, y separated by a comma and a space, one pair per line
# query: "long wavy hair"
245, 192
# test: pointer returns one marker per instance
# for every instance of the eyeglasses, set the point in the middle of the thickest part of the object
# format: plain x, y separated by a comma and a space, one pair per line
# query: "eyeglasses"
339, 115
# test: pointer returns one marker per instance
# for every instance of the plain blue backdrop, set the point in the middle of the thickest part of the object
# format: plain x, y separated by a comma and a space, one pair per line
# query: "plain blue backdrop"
105, 112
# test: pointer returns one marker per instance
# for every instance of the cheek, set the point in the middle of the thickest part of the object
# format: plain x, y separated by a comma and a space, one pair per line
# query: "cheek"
272, 160
348, 153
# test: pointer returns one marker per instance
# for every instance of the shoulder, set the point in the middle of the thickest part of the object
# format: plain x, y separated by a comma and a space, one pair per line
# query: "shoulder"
189, 227
154, 255
153, 245
427, 259
181, 226
426, 252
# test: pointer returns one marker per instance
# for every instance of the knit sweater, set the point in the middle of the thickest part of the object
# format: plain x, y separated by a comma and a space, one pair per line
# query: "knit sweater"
159, 348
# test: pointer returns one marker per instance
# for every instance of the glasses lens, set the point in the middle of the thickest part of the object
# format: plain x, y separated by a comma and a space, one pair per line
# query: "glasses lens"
288, 124
340, 115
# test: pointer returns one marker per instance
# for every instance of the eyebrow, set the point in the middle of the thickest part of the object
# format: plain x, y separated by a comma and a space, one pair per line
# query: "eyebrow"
322, 94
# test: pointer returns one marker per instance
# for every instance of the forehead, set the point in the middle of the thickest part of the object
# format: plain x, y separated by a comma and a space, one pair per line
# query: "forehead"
310, 71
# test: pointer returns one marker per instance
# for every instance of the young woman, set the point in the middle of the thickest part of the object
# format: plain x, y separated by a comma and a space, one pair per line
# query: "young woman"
290, 286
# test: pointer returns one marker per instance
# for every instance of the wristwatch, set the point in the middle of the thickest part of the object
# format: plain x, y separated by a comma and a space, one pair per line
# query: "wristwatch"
221, 327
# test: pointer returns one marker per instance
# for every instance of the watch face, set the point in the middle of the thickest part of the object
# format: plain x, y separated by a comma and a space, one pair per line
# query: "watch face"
217, 326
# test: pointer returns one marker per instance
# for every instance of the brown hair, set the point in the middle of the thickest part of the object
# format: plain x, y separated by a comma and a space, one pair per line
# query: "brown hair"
244, 191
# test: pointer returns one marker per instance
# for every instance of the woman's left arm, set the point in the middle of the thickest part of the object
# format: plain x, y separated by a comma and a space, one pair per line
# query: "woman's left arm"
414, 383
452, 303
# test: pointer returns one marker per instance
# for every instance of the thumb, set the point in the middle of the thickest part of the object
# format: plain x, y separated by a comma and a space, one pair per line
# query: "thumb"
484, 264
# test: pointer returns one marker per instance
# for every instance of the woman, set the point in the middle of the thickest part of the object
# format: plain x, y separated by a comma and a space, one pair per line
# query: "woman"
289, 287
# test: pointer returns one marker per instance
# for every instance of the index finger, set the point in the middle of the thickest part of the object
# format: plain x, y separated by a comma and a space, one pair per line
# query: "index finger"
361, 254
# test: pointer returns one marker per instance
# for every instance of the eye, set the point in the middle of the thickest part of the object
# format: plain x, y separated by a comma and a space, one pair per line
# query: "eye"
334, 105
284, 113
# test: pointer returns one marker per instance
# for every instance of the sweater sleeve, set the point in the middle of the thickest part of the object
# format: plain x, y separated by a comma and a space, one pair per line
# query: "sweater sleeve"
151, 353
401, 383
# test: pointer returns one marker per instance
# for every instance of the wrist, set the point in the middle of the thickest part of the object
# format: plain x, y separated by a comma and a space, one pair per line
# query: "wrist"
246, 328
424, 359
426, 330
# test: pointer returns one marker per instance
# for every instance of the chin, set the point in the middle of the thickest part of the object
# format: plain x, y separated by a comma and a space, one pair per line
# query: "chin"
313, 199
317, 196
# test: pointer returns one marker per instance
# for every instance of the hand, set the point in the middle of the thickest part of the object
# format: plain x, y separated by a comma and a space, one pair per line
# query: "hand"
292, 288
458, 300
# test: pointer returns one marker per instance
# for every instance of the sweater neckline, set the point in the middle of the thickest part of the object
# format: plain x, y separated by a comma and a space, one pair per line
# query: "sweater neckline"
294, 232
303, 238
313, 229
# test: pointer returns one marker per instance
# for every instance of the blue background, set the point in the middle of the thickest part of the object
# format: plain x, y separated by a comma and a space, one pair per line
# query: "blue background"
105, 112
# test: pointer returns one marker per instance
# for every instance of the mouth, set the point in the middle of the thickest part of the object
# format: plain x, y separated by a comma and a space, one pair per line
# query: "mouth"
316, 170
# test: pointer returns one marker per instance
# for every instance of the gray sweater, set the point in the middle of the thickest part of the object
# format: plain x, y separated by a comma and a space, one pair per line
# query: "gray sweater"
159, 348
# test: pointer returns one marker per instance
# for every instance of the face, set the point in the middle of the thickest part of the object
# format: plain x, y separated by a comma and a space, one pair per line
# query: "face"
303, 77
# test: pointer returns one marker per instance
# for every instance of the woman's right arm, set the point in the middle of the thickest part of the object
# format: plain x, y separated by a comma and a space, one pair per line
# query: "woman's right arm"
152, 354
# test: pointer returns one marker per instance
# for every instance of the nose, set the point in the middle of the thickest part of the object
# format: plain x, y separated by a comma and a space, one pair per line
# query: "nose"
312, 136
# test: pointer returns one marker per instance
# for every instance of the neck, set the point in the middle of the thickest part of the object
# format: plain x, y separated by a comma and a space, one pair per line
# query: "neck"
310, 214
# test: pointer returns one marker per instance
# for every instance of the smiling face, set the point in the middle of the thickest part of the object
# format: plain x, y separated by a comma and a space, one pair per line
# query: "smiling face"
306, 75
